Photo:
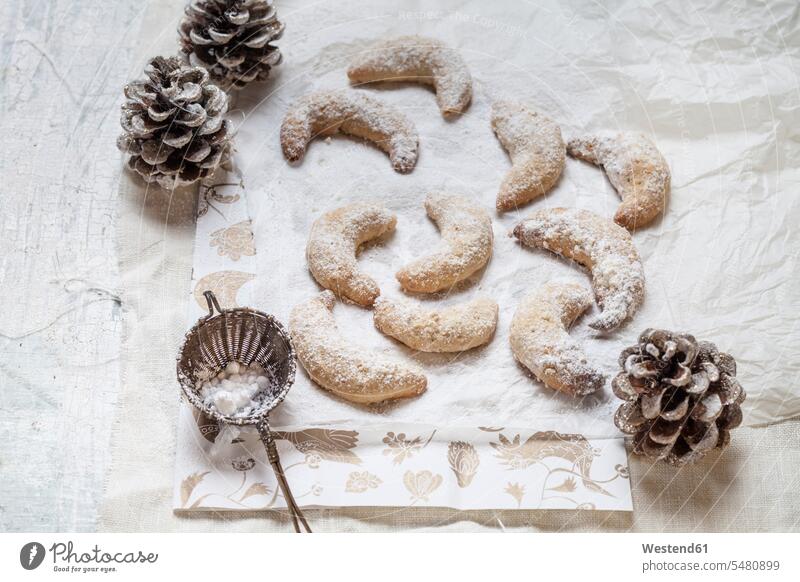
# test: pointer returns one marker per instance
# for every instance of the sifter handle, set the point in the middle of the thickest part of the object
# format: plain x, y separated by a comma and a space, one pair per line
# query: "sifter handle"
275, 461
211, 299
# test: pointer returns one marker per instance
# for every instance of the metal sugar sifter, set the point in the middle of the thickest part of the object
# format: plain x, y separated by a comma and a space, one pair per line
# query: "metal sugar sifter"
245, 336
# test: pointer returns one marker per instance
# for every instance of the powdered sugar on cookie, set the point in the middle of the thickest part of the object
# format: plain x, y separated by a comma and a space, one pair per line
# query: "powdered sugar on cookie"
449, 329
348, 370
635, 168
601, 246
466, 230
353, 113
333, 244
534, 143
540, 341
419, 59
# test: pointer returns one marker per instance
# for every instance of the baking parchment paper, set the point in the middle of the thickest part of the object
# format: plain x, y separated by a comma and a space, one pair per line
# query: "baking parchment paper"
714, 85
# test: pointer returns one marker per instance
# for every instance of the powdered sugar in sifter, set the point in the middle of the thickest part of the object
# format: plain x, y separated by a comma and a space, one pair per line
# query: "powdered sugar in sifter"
245, 336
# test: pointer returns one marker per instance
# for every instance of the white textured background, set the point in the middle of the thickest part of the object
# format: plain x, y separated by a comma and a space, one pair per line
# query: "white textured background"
64, 301
62, 64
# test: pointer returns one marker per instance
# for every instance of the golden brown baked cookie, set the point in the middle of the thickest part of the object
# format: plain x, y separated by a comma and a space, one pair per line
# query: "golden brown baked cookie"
466, 230
451, 329
599, 245
540, 342
346, 369
419, 59
537, 153
635, 168
353, 113
333, 244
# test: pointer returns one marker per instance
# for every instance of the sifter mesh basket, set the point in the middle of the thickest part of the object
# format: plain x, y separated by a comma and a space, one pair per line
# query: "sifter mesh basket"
245, 336
236, 335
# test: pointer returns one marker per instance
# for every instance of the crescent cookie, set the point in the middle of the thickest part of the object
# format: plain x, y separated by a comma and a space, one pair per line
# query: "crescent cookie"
353, 113
333, 244
451, 329
540, 342
599, 245
467, 233
348, 370
420, 59
537, 153
635, 168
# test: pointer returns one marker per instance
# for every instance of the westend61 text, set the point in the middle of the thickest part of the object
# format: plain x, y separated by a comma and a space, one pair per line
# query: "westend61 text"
672, 549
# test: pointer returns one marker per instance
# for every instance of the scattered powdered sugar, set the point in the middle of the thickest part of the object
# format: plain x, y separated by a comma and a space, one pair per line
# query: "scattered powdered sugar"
355, 113
238, 390
606, 249
419, 59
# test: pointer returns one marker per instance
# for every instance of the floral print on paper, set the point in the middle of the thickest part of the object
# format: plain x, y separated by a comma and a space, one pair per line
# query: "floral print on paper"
234, 241
401, 448
359, 482
421, 484
464, 461
318, 444
516, 491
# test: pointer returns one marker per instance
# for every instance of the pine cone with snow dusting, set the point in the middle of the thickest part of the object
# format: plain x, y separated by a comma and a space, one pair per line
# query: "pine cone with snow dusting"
173, 124
232, 39
682, 396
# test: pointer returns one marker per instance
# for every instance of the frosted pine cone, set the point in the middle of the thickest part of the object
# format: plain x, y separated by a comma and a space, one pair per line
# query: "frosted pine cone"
682, 396
232, 39
173, 124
